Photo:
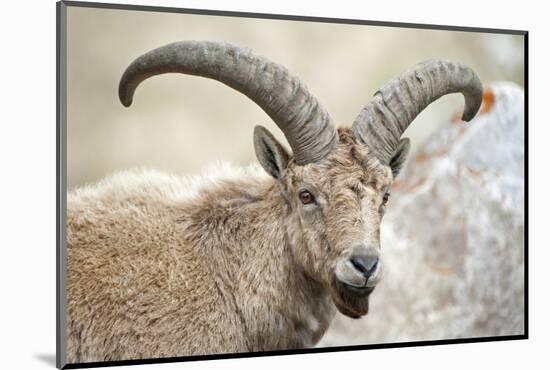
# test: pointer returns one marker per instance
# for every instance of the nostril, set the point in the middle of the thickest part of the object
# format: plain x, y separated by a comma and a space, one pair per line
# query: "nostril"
365, 264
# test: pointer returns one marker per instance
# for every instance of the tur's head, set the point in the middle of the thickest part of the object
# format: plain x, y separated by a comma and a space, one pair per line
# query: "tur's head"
336, 183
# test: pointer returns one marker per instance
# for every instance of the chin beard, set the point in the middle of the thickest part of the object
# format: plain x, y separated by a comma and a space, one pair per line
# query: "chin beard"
350, 301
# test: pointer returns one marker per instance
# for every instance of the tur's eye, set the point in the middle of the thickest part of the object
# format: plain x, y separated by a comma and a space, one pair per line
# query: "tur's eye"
306, 197
386, 198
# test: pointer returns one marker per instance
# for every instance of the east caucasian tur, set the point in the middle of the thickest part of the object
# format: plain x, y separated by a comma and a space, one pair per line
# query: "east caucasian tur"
243, 260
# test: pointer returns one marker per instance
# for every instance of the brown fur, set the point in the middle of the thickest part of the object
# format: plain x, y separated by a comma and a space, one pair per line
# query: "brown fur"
240, 266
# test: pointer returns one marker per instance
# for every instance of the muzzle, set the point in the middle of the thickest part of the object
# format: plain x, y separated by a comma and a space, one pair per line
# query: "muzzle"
361, 269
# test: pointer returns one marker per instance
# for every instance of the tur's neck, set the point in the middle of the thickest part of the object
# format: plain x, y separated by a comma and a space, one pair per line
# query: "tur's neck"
240, 228
282, 306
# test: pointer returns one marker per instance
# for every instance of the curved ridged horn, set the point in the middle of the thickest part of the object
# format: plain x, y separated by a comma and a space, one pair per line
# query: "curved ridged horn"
384, 119
305, 124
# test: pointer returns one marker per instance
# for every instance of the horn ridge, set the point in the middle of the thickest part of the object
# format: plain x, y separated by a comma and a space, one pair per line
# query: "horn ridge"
306, 125
383, 120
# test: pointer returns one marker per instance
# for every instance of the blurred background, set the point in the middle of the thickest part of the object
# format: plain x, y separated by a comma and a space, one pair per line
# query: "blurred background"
182, 123
454, 232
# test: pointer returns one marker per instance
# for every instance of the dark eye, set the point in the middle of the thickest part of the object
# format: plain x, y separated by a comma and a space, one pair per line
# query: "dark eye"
386, 198
306, 197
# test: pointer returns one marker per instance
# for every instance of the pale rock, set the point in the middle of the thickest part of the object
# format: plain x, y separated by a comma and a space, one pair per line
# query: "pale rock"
453, 236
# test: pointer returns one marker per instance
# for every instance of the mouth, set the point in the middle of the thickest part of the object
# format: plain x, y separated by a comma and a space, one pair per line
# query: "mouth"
353, 290
350, 300
358, 291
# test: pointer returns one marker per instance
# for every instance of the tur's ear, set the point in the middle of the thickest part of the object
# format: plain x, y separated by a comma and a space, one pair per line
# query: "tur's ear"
400, 156
270, 153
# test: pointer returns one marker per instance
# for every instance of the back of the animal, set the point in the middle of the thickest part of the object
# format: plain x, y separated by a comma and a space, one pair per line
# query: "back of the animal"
136, 288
